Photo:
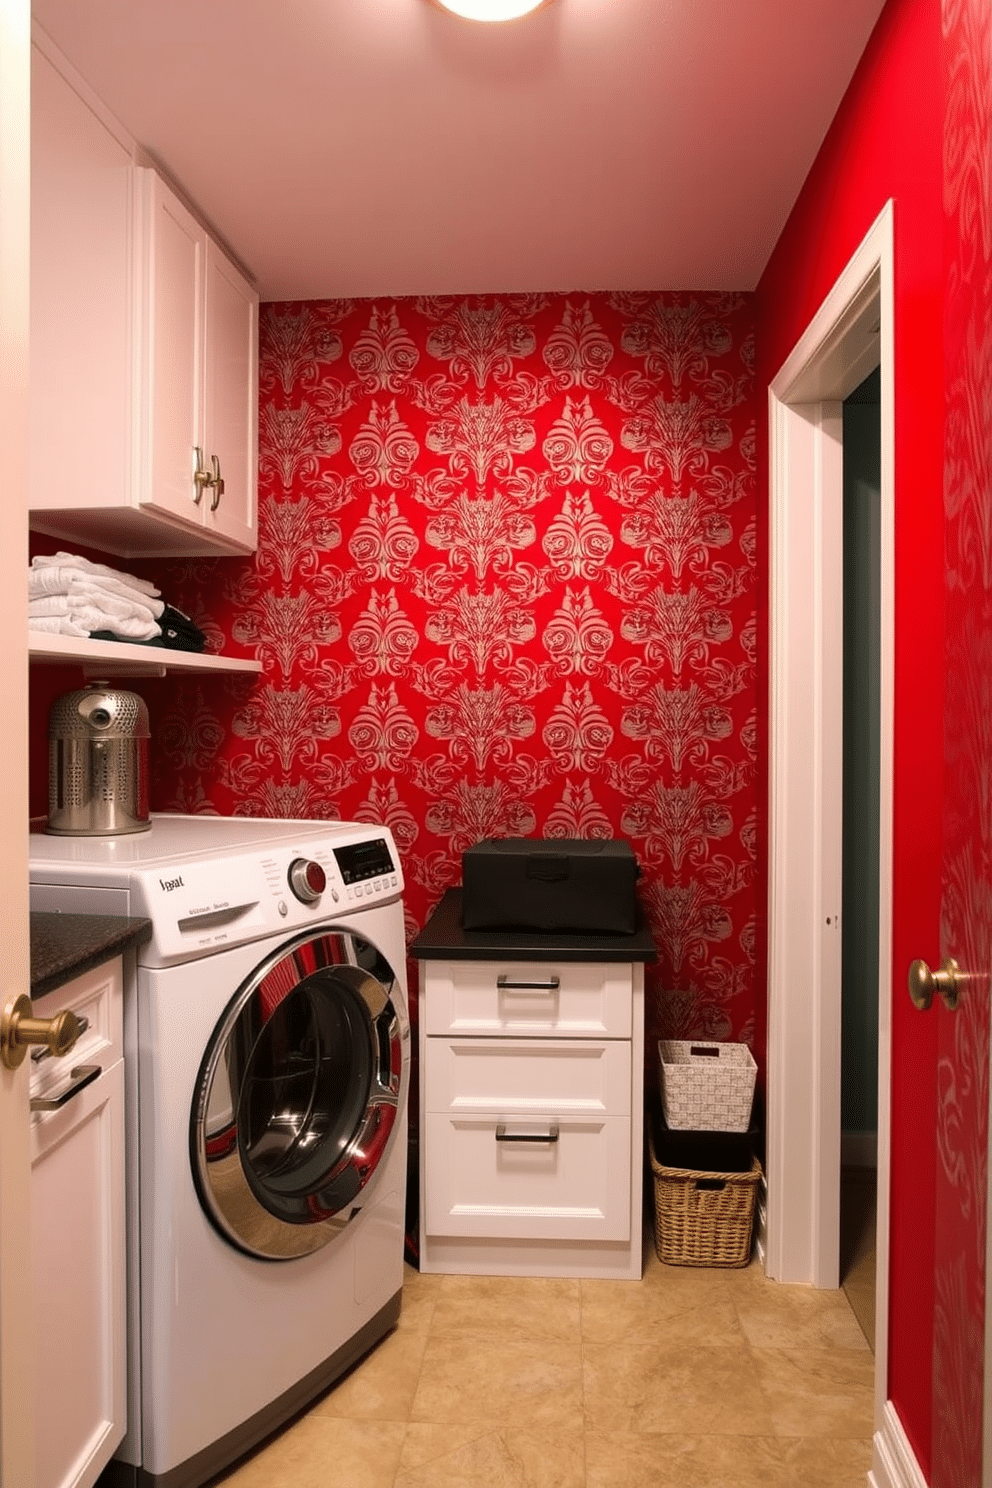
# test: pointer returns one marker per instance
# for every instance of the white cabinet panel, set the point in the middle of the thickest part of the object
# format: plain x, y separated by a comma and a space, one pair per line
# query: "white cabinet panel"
81, 347
230, 412
172, 278
575, 1075
96, 996
199, 380
483, 1182
567, 999
78, 1241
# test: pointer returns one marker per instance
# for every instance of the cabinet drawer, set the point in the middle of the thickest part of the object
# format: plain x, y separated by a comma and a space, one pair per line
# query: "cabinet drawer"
575, 999
481, 1182
579, 1076
97, 996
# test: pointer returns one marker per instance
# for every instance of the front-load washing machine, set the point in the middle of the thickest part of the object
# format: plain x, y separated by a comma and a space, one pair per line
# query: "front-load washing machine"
267, 1049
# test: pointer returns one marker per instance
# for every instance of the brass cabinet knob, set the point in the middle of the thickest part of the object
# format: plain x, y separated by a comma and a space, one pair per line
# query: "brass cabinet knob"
18, 1029
923, 983
201, 475
217, 482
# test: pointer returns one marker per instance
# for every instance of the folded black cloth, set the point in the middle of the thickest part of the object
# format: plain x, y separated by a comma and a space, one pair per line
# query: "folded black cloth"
178, 633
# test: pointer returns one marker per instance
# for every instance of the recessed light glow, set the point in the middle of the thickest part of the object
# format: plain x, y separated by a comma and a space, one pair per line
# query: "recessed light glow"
491, 10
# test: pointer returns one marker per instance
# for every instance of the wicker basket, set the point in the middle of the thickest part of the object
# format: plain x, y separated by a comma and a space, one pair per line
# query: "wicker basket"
706, 1087
703, 1219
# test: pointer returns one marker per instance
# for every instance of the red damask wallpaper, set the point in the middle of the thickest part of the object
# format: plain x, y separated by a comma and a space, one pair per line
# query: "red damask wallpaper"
961, 1284
505, 585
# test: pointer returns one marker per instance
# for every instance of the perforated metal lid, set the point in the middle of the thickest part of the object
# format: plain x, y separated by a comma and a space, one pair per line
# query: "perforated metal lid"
98, 712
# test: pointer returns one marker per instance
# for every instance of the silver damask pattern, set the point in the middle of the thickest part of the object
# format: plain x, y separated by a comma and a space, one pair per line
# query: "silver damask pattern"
506, 584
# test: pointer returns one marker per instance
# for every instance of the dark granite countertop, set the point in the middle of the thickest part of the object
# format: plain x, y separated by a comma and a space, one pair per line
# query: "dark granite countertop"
443, 939
63, 946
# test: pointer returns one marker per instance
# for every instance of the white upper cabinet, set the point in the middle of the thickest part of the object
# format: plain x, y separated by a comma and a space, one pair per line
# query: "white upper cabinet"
144, 349
198, 375
82, 370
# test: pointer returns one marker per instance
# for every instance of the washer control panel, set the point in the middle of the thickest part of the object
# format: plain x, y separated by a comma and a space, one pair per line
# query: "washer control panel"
208, 903
360, 861
367, 869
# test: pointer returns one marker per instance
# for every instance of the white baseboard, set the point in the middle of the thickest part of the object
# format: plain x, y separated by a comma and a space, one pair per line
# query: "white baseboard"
859, 1149
893, 1462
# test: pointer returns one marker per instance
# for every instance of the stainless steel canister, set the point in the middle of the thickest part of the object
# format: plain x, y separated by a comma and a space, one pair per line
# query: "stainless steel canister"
98, 763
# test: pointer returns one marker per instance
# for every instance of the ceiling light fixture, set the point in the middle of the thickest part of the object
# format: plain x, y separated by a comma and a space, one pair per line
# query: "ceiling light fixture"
491, 10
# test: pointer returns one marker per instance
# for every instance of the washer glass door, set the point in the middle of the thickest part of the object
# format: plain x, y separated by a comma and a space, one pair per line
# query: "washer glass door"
298, 1094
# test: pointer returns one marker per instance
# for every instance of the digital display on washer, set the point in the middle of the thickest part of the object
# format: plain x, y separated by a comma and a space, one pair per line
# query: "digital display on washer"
363, 860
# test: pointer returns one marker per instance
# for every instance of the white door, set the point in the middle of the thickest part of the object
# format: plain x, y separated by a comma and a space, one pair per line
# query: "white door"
16, 1419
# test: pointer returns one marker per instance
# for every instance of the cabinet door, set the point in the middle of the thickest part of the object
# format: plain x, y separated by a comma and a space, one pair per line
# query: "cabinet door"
81, 243
77, 1221
172, 395
231, 398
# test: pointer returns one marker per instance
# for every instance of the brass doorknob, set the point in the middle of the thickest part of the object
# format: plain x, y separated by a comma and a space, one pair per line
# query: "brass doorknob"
18, 1029
923, 983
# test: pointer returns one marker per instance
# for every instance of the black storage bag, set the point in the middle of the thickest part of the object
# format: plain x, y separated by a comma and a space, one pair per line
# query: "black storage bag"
559, 886
701, 1151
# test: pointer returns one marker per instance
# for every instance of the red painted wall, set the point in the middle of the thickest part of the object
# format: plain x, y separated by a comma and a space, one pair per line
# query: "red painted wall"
886, 142
505, 585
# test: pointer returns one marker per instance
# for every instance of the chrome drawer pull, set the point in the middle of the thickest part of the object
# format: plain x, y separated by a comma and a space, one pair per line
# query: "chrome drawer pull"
82, 1075
505, 984
44, 1052
502, 1135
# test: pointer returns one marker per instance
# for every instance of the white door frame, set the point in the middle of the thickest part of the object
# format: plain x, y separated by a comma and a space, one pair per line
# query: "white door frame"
851, 334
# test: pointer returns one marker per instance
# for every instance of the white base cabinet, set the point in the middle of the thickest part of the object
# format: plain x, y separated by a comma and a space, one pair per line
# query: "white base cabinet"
531, 1118
78, 1239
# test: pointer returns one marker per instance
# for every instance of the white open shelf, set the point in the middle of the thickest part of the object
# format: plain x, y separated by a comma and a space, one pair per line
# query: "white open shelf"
119, 659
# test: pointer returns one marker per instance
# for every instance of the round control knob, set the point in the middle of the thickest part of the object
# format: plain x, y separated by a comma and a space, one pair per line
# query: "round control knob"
307, 880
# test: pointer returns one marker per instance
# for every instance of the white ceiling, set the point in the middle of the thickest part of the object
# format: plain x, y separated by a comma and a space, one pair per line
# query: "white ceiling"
385, 147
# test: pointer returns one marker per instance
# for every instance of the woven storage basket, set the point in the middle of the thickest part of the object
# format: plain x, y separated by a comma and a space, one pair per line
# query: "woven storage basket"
706, 1087
703, 1219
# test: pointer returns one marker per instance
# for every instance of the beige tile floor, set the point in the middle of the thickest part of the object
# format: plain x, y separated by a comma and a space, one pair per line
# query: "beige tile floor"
717, 1378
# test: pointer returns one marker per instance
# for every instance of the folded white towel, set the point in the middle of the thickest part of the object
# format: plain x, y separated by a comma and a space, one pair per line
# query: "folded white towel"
107, 604
42, 581
119, 600
95, 616
73, 560
56, 625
